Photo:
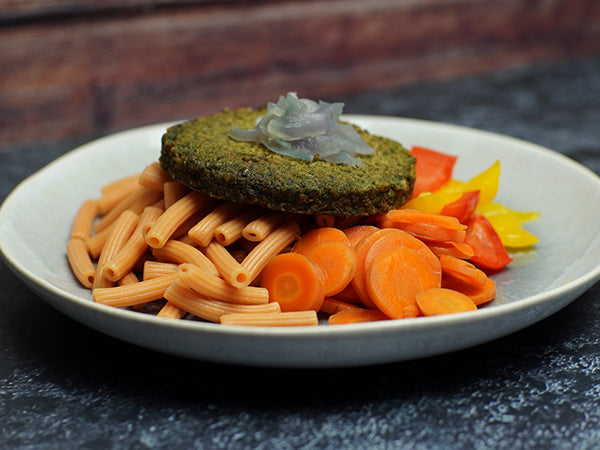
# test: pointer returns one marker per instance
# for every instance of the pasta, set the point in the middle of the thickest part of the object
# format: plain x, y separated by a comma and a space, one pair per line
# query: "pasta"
174, 216
117, 237
132, 250
171, 311
80, 262
208, 309
272, 245
95, 243
82, 225
115, 192
136, 202
259, 228
151, 244
134, 294
153, 177
230, 231
204, 230
153, 269
229, 268
122, 186
180, 252
288, 319
324, 220
216, 288
173, 191
129, 278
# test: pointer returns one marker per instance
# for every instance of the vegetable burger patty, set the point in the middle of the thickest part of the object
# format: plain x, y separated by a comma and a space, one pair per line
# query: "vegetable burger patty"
201, 155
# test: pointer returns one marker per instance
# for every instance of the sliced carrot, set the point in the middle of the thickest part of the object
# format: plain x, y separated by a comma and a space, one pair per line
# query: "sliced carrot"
355, 316
433, 302
397, 238
337, 262
294, 281
359, 282
462, 270
357, 232
333, 305
479, 295
395, 278
430, 226
382, 241
318, 236
459, 250
348, 294
432, 232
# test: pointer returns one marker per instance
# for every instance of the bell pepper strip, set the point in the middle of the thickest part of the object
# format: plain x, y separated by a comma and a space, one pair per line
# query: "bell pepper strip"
488, 251
486, 182
463, 208
451, 191
509, 225
432, 169
427, 202
520, 216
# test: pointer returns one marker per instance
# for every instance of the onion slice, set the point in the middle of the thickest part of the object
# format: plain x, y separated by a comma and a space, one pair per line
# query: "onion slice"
305, 129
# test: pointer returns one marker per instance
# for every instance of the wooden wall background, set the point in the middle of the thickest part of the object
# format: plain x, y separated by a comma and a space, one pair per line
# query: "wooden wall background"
82, 68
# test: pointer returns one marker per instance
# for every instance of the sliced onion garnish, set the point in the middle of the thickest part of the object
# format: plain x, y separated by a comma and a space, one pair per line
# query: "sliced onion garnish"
305, 129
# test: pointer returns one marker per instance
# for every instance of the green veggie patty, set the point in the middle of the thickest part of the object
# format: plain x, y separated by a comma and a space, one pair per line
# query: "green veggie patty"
201, 155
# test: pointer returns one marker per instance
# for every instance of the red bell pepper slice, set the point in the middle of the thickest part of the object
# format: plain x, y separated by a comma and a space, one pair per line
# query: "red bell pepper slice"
432, 168
489, 253
463, 208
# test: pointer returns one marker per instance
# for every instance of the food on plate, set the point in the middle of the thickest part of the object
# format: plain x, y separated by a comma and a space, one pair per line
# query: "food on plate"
163, 242
201, 155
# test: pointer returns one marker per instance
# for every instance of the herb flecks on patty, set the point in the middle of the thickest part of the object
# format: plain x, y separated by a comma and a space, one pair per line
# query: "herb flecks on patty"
201, 154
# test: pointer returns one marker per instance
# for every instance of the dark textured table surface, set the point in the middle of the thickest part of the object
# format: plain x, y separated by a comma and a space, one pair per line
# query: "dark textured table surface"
63, 385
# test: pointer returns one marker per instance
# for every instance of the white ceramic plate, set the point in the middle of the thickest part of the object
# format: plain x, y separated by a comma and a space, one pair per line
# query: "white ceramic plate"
35, 221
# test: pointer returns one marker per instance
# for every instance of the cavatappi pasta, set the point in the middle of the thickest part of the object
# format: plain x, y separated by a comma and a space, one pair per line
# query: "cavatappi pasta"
152, 245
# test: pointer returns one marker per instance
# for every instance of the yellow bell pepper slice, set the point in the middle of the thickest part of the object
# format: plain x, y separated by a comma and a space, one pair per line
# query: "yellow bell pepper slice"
427, 202
509, 224
487, 183
433, 202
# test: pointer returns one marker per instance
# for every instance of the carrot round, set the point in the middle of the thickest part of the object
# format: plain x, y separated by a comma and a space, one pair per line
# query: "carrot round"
355, 316
359, 282
318, 236
337, 262
396, 238
348, 294
294, 281
333, 305
395, 278
357, 232
383, 241
433, 302
463, 271
433, 227
479, 294
460, 250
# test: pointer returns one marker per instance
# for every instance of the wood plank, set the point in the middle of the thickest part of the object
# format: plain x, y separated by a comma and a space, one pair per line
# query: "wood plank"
23, 10
92, 75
